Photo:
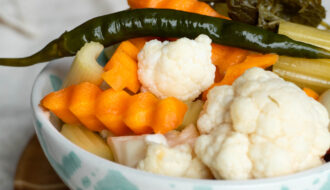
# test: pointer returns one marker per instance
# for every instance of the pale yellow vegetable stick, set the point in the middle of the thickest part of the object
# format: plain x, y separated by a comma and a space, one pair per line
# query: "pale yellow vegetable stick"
87, 140
305, 34
310, 73
85, 67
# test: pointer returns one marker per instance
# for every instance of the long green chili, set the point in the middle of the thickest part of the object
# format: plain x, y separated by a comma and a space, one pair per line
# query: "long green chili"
113, 28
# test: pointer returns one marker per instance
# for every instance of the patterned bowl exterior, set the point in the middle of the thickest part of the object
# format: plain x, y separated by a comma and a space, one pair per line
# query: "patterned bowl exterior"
82, 170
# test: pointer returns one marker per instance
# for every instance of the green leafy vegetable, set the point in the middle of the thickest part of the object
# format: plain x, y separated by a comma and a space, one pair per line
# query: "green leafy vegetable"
243, 10
268, 13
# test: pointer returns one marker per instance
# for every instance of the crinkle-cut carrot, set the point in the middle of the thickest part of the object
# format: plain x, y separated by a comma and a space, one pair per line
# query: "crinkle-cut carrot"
110, 108
58, 102
82, 105
311, 93
193, 6
122, 72
169, 114
235, 71
140, 112
225, 56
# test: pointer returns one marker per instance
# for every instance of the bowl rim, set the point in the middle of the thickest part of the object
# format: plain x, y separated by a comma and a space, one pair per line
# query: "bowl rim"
47, 125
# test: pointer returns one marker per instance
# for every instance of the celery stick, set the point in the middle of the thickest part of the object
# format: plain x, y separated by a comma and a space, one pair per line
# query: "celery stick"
311, 73
315, 68
85, 67
305, 34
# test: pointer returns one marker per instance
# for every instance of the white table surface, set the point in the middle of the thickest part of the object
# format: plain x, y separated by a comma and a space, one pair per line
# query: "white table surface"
42, 21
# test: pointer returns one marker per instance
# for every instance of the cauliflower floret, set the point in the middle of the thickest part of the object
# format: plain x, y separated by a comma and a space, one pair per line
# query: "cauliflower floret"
261, 126
176, 162
181, 69
198, 170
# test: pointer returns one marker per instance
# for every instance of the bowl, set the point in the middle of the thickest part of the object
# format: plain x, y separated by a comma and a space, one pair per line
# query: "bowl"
80, 169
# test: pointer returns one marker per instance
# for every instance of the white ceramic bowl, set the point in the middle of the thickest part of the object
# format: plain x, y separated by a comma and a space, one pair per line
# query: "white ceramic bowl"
82, 170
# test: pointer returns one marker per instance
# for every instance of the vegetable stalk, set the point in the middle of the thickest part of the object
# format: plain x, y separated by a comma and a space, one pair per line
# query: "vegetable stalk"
113, 28
307, 34
311, 73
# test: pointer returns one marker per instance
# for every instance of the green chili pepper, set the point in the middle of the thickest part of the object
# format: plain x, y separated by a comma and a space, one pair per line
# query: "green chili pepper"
113, 28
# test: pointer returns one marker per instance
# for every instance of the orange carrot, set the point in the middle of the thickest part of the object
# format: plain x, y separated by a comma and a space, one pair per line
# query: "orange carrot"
110, 108
129, 48
118, 57
82, 105
235, 71
217, 77
193, 6
169, 114
311, 93
138, 4
183, 5
58, 102
253, 60
121, 72
225, 56
139, 114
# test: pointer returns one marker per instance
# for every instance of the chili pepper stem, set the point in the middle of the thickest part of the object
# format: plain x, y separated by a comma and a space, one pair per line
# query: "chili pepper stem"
49, 52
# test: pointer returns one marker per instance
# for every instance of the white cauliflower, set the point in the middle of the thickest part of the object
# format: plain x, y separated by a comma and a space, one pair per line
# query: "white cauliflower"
181, 69
177, 162
261, 126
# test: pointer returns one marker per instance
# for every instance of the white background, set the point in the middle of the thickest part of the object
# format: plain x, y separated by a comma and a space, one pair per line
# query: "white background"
42, 21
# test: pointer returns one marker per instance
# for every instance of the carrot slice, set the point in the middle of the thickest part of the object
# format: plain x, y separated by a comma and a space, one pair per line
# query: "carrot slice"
118, 58
122, 72
225, 56
235, 71
58, 102
253, 60
129, 48
311, 93
82, 105
193, 6
169, 114
138, 4
183, 5
139, 114
110, 108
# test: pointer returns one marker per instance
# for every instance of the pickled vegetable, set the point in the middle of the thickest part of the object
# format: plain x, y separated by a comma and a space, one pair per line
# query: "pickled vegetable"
85, 67
310, 73
87, 140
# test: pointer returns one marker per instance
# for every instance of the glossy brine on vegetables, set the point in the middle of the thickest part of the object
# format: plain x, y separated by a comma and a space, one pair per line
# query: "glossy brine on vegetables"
191, 107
